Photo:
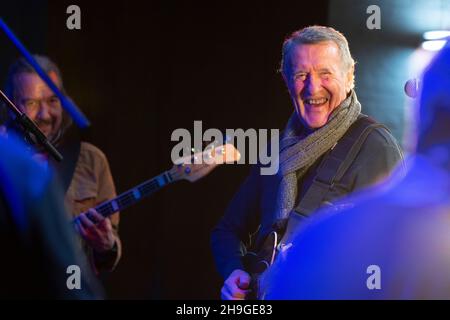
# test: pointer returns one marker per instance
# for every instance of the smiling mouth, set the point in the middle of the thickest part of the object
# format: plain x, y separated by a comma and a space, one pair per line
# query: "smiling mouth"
46, 128
315, 102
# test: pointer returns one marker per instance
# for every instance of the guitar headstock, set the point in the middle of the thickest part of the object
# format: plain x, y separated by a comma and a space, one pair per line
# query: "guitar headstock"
202, 163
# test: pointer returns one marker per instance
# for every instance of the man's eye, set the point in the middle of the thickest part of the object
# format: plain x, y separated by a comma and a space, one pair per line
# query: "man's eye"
54, 100
30, 103
300, 76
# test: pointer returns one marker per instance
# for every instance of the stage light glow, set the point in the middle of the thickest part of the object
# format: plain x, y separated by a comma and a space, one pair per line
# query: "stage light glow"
436, 34
433, 45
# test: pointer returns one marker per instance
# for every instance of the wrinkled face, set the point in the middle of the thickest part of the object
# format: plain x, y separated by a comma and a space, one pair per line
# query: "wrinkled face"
317, 81
38, 102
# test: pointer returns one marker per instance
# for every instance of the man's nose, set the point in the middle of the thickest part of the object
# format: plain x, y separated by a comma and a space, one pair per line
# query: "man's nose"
312, 85
44, 111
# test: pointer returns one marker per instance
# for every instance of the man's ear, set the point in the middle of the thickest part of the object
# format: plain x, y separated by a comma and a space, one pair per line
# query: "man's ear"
54, 77
350, 79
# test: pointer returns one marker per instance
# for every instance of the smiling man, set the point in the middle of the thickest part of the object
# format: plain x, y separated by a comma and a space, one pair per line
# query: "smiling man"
84, 173
327, 150
318, 80
395, 242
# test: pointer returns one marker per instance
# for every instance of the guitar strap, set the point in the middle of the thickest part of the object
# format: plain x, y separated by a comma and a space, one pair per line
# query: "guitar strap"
331, 171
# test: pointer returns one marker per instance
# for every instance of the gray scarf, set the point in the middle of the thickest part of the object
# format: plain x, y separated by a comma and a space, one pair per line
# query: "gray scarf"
298, 153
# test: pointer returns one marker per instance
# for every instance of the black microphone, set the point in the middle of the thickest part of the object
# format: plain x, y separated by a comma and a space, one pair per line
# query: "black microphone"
412, 88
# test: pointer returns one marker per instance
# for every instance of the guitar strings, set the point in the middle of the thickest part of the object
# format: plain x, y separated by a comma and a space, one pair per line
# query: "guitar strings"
129, 198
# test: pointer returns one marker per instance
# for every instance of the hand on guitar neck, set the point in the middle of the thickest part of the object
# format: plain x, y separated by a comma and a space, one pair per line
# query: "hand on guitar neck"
236, 286
96, 230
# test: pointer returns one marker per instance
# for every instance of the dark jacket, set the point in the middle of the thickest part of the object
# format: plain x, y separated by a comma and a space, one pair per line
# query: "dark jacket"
254, 203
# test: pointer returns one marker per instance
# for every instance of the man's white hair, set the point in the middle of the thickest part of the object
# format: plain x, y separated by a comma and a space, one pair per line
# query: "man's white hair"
313, 35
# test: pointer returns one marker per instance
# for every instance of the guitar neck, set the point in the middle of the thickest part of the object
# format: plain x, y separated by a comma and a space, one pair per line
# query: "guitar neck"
134, 195
185, 169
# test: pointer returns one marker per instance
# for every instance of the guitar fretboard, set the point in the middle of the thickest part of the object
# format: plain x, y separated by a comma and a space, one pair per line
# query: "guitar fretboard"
134, 195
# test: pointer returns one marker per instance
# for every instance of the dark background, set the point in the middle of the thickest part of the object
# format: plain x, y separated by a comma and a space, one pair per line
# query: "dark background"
140, 70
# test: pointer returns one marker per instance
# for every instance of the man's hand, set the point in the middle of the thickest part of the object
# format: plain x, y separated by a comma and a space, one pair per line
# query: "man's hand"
96, 231
236, 286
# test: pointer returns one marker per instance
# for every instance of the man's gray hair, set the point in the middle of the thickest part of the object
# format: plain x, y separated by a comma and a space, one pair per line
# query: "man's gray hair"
21, 65
313, 35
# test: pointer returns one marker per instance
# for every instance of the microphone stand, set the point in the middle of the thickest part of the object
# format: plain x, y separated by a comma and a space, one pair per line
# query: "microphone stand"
30, 130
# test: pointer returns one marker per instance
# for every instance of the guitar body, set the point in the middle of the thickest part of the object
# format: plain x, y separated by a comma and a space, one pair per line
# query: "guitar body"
256, 263
279, 240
